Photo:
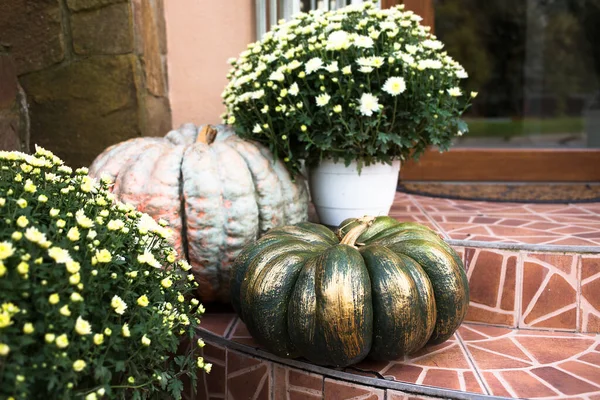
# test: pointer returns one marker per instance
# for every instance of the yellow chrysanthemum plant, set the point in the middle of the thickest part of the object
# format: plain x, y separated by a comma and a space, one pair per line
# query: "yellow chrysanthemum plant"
357, 83
93, 303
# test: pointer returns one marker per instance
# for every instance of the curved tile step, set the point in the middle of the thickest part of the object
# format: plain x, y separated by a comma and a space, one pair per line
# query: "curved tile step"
479, 362
534, 266
533, 289
507, 223
531, 330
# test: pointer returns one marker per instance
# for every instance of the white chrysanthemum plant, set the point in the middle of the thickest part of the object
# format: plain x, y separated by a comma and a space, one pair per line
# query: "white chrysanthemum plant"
93, 303
358, 83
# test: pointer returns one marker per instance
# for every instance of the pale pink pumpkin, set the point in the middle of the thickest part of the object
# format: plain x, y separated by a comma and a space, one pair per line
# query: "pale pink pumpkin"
217, 196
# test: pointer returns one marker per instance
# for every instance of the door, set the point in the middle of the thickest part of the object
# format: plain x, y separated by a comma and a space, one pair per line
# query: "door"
536, 66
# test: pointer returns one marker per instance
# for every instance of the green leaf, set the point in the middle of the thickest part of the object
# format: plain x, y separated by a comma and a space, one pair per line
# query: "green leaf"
383, 137
165, 378
462, 126
175, 387
101, 373
120, 366
179, 360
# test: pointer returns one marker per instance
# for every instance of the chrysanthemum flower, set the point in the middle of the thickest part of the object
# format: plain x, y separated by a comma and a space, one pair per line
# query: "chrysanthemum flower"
62, 341
98, 339
322, 99
455, 92
118, 304
79, 365
54, 298
64, 310
125, 330
338, 40
59, 255
83, 220
73, 234
82, 327
364, 42
394, 85
142, 301
368, 104
312, 65
22, 221
115, 225
103, 256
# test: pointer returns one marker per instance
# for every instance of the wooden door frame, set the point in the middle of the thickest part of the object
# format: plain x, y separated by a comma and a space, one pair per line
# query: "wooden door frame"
505, 165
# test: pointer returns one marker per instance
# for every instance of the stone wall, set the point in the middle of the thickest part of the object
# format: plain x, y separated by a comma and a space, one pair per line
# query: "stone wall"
14, 116
93, 71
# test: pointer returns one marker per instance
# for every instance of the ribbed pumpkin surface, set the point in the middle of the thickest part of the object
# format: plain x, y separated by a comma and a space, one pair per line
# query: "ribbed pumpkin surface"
216, 197
302, 292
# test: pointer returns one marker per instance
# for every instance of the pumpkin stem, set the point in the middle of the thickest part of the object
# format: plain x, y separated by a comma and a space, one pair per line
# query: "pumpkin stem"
207, 135
354, 233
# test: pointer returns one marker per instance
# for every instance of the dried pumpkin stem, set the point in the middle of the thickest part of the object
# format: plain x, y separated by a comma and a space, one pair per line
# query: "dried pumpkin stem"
354, 233
207, 135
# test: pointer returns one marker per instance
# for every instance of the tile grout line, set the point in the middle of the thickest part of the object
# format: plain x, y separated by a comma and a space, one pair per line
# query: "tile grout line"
227, 350
555, 313
518, 289
473, 365
478, 346
545, 383
554, 364
427, 355
533, 301
461, 380
581, 378
579, 324
231, 327
589, 278
272, 383
431, 220
471, 262
540, 332
261, 385
500, 295
506, 385
245, 370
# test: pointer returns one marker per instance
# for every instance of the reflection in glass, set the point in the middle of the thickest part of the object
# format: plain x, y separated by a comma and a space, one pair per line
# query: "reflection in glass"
536, 66
307, 5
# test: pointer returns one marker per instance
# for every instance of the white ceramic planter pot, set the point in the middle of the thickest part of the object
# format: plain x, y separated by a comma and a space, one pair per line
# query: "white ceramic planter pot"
338, 192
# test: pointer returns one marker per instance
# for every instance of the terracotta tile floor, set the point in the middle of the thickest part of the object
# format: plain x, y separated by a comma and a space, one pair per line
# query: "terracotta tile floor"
538, 292
551, 224
482, 359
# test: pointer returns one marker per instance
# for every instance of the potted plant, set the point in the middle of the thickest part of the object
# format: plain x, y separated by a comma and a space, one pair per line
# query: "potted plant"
92, 302
351, 93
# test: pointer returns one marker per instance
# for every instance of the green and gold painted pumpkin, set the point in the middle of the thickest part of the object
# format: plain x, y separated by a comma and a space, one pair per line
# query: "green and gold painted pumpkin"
217, 191
379, 288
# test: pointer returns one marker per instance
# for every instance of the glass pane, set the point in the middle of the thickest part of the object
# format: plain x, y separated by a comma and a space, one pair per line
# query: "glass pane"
536, 66
306, 5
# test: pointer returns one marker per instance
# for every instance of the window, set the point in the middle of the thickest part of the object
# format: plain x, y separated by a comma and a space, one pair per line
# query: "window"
536, 65
268, 12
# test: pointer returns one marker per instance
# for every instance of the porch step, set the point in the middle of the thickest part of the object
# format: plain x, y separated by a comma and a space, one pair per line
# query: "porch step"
532, 330
534, 266
478, 362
